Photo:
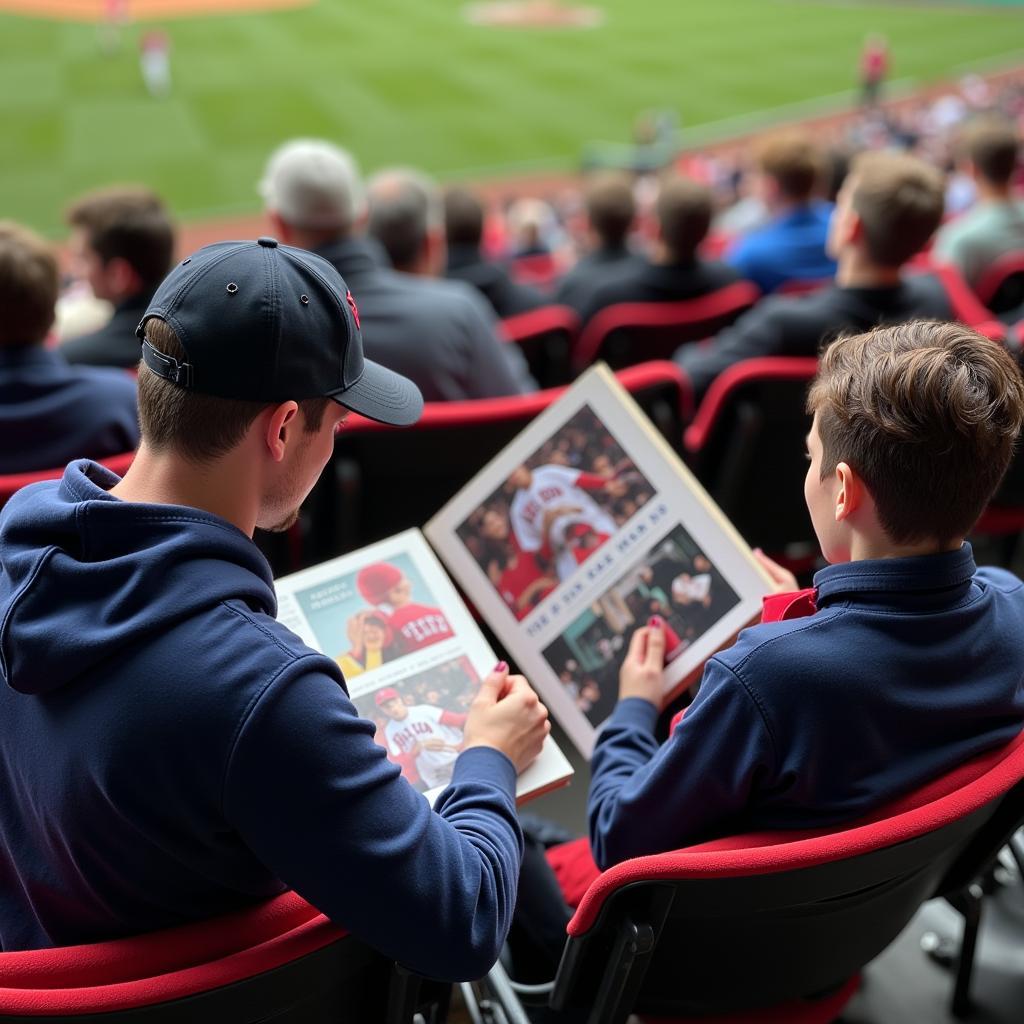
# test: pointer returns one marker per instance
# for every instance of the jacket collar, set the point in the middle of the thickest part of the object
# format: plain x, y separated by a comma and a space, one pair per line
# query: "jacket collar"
944, 576
31, 355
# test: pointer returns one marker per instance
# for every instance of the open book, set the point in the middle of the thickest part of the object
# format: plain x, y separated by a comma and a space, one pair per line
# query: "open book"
566, 542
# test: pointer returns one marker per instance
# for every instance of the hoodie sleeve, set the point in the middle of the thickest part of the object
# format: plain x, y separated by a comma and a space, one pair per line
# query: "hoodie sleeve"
319, 803
648, 799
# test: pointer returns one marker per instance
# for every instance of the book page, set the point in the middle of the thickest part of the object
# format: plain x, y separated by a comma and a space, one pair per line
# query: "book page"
410, 652
576, 534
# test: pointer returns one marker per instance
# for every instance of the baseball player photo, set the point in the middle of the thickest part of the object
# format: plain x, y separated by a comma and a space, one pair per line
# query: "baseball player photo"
413, 625
554, 511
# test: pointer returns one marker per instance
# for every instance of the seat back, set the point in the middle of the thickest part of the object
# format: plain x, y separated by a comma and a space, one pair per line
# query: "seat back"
966, 306
15, 481
746, 446
631, 332
753, 921
281, 961
383, 479
1001, 287
546, 337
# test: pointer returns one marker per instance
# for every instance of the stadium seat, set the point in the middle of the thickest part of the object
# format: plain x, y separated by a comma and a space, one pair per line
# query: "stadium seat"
632, 332
803, 285
15, 481
546, 336
775, 926
1001, 288
540, 270
966, 306
746, 446
280, 961
382, 480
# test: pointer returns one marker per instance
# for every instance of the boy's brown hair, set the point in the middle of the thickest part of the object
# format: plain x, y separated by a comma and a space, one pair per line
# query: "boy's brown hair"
683, 209
128, 223
198, 427
992, 144
928, 415
611, 207
793, 161
899, 200
29, 285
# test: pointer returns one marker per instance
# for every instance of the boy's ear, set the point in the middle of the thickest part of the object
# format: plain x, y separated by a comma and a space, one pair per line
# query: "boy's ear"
279, 424
850, 493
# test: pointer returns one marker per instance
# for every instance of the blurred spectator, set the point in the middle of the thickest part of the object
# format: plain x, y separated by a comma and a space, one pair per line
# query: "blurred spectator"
464, 227
674, 272
123, 241
888, 208
50, 412
532, 227
611, 210
441, 334
988, 151
791, 246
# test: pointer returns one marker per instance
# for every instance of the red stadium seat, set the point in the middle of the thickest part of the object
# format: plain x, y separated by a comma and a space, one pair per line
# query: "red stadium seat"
746, 445
632, 332
775, 926
1001, 288
546, 336
15, 481
540, 270
281, 961
383, 479
967, 308
803, 286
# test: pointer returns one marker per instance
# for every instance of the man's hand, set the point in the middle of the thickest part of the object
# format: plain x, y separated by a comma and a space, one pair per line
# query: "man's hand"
507, 715
643, 672
782, 579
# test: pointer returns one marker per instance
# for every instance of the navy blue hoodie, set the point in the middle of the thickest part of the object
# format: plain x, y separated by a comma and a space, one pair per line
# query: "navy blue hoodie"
169, 752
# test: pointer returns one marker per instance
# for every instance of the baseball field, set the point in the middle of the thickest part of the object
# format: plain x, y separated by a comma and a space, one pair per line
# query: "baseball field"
417, 82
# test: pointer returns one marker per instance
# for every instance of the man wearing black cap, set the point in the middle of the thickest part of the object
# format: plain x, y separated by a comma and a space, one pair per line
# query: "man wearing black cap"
171, 752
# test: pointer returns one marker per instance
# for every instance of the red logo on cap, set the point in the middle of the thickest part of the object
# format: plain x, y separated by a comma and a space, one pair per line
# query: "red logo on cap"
355, 311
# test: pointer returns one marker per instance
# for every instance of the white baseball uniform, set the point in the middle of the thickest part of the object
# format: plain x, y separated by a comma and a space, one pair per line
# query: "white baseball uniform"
694, 588
423, 722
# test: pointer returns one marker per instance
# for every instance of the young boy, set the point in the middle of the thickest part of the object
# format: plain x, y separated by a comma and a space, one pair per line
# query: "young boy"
911, 660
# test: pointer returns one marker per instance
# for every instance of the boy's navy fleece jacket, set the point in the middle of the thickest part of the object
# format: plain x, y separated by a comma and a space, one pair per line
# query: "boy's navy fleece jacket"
169, 752
909, 667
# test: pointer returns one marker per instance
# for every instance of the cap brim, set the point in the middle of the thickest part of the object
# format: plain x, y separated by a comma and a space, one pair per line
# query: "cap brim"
382, 395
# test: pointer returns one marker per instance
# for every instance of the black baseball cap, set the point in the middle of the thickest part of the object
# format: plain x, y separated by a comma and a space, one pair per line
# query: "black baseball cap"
267, 322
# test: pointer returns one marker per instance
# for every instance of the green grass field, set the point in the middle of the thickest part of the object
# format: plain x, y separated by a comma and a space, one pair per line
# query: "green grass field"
408, 81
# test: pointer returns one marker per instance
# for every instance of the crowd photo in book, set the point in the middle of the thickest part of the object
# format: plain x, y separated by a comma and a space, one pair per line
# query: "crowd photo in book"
554, 511
420, 719
368, 618
675, 581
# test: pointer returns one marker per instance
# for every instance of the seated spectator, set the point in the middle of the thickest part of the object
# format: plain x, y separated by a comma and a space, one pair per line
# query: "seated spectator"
888, 208
441, 334
674, 272
791, 246
904, 663
611, 211
988, 152
123, 239
50, 412
464, 228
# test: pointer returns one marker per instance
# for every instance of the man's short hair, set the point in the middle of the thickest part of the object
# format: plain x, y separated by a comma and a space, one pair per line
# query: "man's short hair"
683, 210
463, 217
611, 208
195, 426
128, 223
29, 284
405, 206
793, 161
313, 185
899, 200
991, 142
928, 415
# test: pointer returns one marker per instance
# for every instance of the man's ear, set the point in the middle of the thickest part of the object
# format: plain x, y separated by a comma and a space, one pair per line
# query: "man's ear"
279, 228
124, 279
850, 495
279, 429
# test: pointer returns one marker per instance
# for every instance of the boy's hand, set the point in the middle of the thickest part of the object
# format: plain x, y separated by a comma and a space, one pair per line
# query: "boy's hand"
507, 715
642, 673
782, 578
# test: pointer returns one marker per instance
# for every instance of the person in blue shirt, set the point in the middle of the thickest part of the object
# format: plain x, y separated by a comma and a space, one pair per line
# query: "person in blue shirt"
50, 412
907, 659
791, 246
172, 751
